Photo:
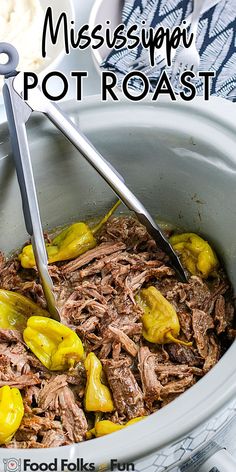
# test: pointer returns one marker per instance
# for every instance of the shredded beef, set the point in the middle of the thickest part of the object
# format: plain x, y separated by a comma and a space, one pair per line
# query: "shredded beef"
10, 335
124, 340
176, 370
96, 253
127, 395
21, 381
202, 323
150, 384
72, 416
213, 353
48, 398
185, 320
96, 294
57, 396
183, 354
177, 386
220, 315
53, 439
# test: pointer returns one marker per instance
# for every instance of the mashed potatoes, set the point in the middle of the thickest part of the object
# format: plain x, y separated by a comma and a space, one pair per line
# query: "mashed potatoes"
21, 23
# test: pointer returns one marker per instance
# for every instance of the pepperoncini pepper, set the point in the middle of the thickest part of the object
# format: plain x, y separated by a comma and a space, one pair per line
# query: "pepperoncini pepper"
160, 320
97, 395
69, 244
196, 254
102, 428
11, 412
55, 345
15, 309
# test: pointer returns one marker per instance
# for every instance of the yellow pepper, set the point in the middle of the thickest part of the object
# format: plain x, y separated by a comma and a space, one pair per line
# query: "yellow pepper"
160, 320
196, 254
15, 309
102, 428
69, 244
97, 395
11, 412
101, 223
55, 345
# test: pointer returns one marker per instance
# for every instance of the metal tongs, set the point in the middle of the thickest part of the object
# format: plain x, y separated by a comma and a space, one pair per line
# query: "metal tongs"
18, 113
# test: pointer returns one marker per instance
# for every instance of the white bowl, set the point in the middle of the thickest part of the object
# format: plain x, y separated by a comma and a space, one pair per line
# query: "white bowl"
55, 52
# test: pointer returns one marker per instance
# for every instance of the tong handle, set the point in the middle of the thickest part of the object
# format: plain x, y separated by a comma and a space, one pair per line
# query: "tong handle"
17, 159
114, 180
9, 69
107, 172
18, 114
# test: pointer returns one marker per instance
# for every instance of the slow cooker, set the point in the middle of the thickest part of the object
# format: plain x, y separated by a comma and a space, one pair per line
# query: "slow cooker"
179, 158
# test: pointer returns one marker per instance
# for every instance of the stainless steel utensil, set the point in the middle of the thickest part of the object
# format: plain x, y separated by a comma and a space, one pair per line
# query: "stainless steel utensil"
142, 62
18, 114
189, 59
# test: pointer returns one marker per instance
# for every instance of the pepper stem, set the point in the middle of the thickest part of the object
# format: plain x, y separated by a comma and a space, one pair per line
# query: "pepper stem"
178, 341
98, 417
97, 227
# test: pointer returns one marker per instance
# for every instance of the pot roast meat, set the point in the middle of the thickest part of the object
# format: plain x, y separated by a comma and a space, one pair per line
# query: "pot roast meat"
15, 362
21, 381
33, 427
197, 293
185, 320
58, 397
72, 416
88, 326
107, 263
53, 439
96, 295
183, 355
176, 370
9, 277
127, 395
17, 357
124, 340
213, 354
126, 229
96, 253
150, 384
202, 323
33, 290
220, 315
178, 386
48, 398
31, 394
2, 261
10, 335
24, 444
219, 287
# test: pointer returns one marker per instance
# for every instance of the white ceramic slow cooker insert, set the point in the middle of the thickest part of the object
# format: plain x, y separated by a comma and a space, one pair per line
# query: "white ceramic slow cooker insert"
179, 158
